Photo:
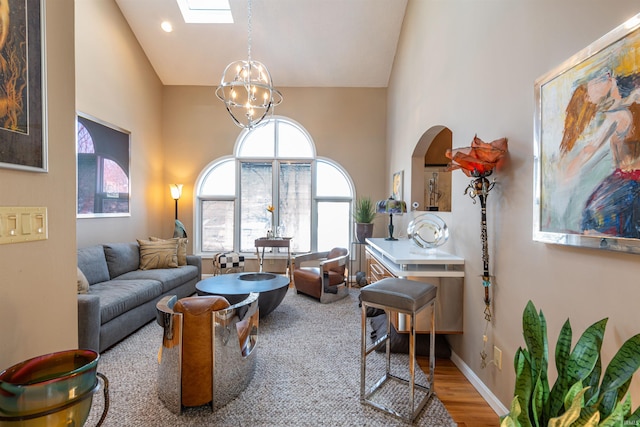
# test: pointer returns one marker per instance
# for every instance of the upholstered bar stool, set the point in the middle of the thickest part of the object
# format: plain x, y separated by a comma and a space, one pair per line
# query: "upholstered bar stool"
227, 262
408, 297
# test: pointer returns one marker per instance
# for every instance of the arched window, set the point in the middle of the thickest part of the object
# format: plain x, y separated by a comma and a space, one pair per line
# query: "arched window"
273, 165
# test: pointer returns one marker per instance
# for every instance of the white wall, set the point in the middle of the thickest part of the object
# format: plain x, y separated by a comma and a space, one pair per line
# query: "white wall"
470, 66
38, 279
116, 84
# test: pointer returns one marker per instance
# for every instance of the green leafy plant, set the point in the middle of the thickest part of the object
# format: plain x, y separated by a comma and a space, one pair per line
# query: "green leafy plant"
578, 397
365, 211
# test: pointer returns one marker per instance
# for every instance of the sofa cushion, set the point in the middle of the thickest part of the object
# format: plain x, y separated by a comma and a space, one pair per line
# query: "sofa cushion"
121, 257
120, 296
83, 283
159, 254
182, 248
93, 264
170, 277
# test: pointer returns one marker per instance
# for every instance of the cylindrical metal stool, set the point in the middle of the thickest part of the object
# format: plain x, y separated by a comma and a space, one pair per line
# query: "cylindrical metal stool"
408, 297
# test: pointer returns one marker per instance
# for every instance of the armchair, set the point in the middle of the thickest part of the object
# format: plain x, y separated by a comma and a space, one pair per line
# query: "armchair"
208, 350
325, 280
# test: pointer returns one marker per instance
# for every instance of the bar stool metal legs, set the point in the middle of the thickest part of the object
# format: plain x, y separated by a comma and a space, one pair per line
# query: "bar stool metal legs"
367, 396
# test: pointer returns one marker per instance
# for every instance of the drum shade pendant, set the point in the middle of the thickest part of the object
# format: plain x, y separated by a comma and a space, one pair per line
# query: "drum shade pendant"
247, 90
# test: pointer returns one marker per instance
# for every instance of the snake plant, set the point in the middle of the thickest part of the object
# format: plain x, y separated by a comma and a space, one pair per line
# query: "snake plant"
578, 397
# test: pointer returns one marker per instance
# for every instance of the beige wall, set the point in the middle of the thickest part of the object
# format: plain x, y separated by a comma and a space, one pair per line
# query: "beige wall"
476, 63
116, 84
37, 279
347, 125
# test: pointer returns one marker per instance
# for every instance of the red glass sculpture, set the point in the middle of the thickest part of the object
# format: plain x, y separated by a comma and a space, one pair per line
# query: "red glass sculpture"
478, 161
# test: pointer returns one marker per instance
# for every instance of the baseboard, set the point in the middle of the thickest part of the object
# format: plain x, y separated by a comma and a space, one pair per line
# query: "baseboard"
475, 381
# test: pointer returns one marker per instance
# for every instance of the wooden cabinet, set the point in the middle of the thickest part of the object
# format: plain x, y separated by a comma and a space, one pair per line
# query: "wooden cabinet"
375, 270
401, 258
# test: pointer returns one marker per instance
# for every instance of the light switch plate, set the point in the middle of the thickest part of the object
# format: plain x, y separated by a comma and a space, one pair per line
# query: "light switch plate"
22, 224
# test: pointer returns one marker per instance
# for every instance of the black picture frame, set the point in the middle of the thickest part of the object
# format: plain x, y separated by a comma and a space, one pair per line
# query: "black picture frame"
103, 153
23, 120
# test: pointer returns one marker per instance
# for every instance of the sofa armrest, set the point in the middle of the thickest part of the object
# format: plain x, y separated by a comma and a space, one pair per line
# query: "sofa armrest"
197, 261
89, 322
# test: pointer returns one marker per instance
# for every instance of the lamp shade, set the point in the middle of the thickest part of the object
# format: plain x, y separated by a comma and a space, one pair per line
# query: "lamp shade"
391, 206
176, 191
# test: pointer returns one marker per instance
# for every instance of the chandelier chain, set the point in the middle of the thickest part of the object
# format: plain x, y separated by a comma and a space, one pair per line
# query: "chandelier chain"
249, 29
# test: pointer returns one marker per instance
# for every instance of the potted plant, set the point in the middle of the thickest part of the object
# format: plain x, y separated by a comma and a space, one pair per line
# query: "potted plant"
363, 216
579, 397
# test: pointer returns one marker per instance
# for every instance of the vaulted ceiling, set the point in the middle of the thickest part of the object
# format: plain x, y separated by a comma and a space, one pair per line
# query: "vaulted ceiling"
303, 43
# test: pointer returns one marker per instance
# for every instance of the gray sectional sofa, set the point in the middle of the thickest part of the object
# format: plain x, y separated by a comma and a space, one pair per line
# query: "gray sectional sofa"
121, 297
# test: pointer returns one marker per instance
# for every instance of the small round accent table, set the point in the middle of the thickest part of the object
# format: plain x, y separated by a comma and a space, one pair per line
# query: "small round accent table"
237, 286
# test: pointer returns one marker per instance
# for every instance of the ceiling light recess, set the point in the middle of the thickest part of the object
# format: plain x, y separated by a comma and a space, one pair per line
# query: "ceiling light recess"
166, 26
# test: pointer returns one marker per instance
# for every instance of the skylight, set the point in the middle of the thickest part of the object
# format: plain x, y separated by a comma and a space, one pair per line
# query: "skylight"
205, 11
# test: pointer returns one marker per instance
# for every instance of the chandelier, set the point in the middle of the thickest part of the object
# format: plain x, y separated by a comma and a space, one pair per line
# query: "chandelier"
247, 90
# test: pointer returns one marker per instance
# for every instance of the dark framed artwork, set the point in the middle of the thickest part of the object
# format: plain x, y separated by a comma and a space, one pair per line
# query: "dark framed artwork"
23, 124
103, 176
587, 146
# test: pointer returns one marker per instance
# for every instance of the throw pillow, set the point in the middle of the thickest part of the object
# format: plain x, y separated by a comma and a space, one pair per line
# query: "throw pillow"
121, 257
83, 283
182, 248
159, 254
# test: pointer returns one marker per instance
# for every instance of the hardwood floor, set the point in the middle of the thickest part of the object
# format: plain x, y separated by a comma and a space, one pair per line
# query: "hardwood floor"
464, 403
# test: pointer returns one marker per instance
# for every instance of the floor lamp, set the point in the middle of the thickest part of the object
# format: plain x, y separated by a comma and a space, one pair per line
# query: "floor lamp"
176, 193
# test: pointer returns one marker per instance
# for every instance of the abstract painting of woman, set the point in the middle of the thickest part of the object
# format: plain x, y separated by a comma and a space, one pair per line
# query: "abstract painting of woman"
590, 145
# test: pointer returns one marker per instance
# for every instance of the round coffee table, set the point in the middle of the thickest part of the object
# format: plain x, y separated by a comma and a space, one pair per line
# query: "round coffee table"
237, 286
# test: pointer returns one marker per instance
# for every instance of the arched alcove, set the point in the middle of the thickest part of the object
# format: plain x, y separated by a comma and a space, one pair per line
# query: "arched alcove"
430, 183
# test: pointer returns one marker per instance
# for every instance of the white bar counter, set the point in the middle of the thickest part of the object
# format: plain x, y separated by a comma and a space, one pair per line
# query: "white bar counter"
404, 259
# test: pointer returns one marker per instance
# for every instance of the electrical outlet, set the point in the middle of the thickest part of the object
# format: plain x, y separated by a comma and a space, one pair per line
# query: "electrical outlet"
497, 357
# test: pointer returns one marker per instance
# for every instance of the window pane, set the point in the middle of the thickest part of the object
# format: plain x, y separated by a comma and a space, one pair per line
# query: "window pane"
331, 182
221, 180
259, 142
217, 226
333, 225
292, 142
114, 179
256, 193
85, 142
87, 179
295, 204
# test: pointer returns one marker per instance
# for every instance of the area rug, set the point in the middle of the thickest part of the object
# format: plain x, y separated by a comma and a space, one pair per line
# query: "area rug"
307, 374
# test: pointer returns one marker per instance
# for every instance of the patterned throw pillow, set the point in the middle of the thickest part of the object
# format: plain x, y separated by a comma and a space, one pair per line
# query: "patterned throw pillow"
83, 283
159, 254
182, 247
